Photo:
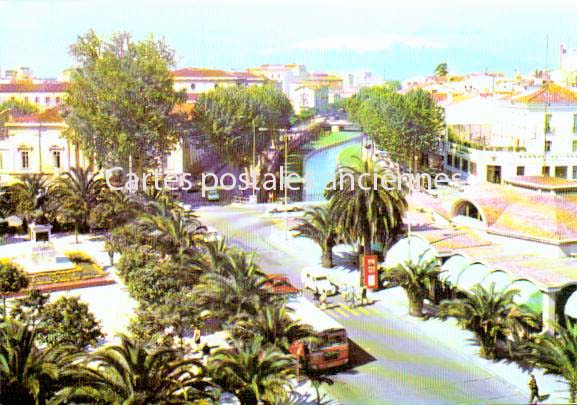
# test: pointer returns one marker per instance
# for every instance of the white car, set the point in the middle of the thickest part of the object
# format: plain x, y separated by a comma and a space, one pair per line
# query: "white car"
314, 281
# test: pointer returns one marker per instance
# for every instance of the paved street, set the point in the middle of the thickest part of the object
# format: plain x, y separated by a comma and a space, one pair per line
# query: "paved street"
390, 355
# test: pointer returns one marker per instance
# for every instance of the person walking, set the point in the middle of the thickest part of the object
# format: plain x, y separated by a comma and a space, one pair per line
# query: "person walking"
364, 299
353, 298
316, 295
534, 388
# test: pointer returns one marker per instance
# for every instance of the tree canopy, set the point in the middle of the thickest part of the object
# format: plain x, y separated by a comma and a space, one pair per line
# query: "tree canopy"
121, 100
227, 116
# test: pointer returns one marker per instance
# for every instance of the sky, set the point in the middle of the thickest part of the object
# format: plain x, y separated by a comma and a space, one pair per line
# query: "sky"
394, 39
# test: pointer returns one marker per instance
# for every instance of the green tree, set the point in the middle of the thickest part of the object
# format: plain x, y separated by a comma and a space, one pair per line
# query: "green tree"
29, 195
68, 321
116, 208
274, 324
490, 315
317, 225
256, 373
416, 279
121, 100
557, 355
18, 107
364, 208
12, 280
28, 309
79, 193
29, 375
442, 69
317, 378
133, 372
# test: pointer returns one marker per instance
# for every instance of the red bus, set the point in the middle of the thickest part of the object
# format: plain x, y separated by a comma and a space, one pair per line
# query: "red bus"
333, 348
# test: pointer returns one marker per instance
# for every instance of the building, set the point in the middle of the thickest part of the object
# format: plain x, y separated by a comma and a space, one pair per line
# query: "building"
196, 81
308, 96
490, 139
44, 95
285, 75
34, 144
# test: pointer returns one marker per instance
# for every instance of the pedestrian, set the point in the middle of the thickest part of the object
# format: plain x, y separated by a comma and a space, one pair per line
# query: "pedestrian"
316, 295
323, 300
353, 298
197, 337
364, 299
534, 398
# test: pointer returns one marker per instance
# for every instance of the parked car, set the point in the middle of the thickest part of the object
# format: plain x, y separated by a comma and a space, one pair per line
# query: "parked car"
318, 281
213, 195
279, 284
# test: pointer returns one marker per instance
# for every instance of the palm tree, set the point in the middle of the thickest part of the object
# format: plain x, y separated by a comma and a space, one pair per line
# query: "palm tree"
558, 355
135, 373
177, 234
255, 372
29, 196
369, 214
490, 315
317, 378
117, 208
29, 375
416, 279
318, 226
274, 324
79, 192
233, 288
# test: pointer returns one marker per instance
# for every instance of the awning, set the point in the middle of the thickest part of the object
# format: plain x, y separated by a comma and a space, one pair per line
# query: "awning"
414, 249
529, 295
472, 276
453, 268
501, 280
571, 306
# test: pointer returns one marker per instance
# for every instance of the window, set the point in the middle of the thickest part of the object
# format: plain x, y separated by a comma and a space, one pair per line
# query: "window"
548, 123
473, 168
449, 160
465, 165
520, 170
56, 159
545, 171
547, 146
561, 172
26, 99
193, 86
47, 100
37, 100
574, 122
574, 173
457, 162
24, 160
494, 174
57, 100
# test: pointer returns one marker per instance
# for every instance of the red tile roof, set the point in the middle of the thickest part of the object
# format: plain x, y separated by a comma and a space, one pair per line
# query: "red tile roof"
549, 93
201, 72
33, 87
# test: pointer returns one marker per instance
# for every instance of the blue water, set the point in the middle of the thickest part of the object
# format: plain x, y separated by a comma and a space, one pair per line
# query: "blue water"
319, 169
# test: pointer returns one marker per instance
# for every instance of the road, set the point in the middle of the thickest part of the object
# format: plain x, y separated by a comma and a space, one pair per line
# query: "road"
392, 362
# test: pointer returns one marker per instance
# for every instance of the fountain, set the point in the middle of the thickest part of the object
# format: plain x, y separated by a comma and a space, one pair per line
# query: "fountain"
42, 256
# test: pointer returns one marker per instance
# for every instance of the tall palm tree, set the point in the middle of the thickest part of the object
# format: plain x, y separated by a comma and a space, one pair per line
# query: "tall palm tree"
274, 324
371, 213
416, 279
490, 315
132, 372
117, 208
318, 226
79, 192
29, 375
233, 288
255, 372
558, 355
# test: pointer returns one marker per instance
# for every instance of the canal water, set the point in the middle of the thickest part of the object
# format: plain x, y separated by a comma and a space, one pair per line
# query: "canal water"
319, 168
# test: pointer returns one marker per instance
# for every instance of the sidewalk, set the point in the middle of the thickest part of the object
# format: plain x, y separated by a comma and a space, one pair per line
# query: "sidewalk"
393, 303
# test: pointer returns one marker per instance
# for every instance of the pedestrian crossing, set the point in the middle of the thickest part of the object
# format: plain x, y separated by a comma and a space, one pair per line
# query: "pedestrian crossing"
342, 310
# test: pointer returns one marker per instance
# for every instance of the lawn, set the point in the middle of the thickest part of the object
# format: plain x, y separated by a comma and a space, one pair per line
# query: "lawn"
350, 156
333, 138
